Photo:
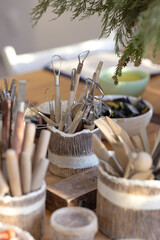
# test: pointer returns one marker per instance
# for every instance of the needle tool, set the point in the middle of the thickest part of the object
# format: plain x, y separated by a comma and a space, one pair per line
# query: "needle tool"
57, 87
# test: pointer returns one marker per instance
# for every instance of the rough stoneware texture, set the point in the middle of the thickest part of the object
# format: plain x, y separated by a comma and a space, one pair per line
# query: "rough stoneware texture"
77, 145
131, 223
70, 145
32, 222
62, 237
64, 172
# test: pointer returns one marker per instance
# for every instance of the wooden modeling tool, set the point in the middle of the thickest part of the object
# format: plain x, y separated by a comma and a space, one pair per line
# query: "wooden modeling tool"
39, 173
12, 166
98, 71
42, 147
103, 154
26, 172
114, 142
144, 137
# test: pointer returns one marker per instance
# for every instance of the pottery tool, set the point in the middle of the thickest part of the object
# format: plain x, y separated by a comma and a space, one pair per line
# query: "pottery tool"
49, 96
142, 162
18, 132
57, 89
138, 143
29, 135
144, 137
108, 168
33, 108
26, 171
77, 119
39, 173
120, 132
71, 92
141, 175
4, 188
12, 166
42, 147
5, 84
113, 141
98, 71
129, 166
81, 58
103, 154
6, 124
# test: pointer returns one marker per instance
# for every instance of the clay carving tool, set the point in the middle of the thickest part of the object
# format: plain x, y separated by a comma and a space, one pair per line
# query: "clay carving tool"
144, 137
39, 173
42, 147
57, 89
18, 132
26, 171
4, 188
12, 166
102, 153
98, 71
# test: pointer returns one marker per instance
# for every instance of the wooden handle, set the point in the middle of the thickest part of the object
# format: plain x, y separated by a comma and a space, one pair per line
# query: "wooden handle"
42, 147
18, 134
29, 135
70, 99
57, 105
77, 76
13, 172
26, 171
75, 122
4, 188
39, 174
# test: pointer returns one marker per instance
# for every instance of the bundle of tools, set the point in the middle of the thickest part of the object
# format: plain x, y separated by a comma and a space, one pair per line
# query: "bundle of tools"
23, 164
75, 114
126, 160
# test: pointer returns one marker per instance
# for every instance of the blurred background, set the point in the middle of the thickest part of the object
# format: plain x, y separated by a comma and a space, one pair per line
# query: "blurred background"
16, 29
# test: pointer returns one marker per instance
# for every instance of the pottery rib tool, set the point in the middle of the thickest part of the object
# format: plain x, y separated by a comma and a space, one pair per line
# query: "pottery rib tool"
103, 154
12, 166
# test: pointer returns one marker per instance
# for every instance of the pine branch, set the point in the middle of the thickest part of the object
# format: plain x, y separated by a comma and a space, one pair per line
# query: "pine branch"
137, 23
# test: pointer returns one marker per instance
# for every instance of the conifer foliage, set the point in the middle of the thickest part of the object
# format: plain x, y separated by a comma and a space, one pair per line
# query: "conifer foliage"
136, 23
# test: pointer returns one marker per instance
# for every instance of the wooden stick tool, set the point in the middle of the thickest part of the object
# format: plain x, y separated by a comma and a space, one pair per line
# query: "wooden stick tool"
57, 88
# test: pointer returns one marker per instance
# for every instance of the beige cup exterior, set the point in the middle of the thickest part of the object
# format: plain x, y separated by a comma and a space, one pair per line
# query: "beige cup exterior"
26, 212
128, 209
67, 227
71, 153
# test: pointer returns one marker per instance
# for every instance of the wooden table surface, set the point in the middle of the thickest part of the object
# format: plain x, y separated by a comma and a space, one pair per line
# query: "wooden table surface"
38, 81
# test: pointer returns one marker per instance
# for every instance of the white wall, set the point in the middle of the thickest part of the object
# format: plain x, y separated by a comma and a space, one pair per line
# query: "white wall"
16, 28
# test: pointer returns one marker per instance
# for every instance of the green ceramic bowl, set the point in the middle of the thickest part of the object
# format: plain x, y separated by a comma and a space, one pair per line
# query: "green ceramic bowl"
132, 82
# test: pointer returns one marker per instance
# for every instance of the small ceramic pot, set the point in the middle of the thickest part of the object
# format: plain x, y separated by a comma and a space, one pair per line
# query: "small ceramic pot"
26, 212
71, 153
74, 223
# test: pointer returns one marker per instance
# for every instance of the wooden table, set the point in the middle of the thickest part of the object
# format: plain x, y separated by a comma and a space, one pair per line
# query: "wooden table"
38, 81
